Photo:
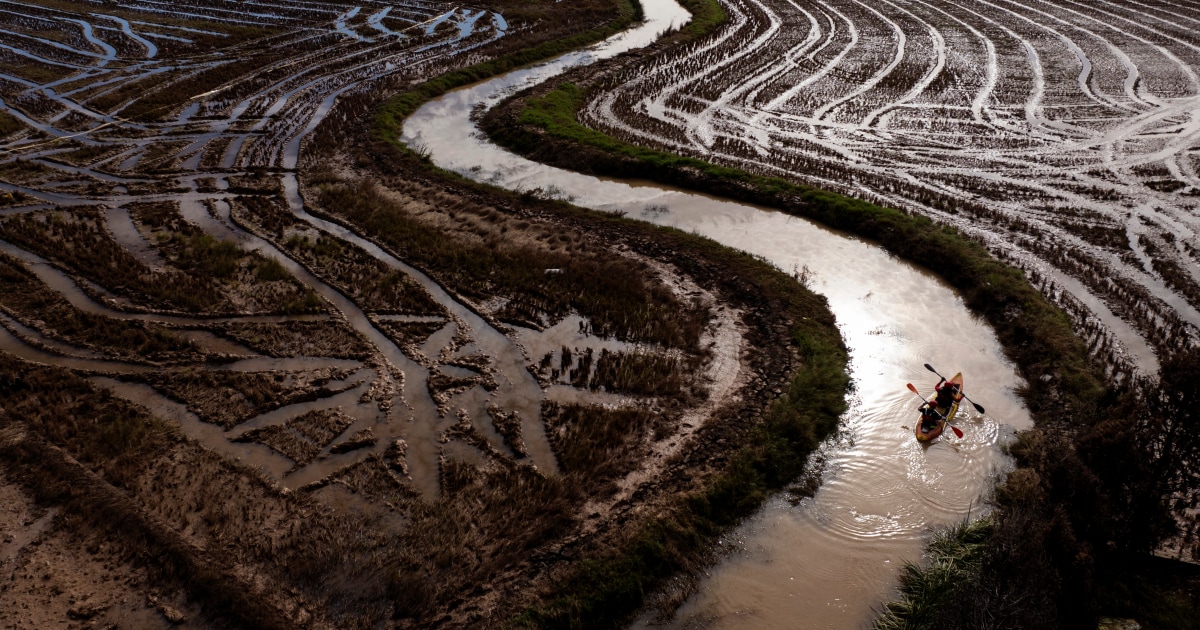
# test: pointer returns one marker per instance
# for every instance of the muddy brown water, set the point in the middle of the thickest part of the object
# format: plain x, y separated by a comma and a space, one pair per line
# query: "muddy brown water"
828, 561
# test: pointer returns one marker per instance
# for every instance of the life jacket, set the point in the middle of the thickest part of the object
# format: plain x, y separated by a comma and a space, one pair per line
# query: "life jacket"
929, 415
947, 394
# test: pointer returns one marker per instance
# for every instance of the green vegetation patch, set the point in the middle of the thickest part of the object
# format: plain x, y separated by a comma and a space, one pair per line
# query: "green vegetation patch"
954, 559
389, 120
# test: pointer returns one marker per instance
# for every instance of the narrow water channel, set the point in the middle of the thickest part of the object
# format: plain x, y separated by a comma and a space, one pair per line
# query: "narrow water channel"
831, 560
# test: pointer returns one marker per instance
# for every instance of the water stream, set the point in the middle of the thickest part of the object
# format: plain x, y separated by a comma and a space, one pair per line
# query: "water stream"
830, 560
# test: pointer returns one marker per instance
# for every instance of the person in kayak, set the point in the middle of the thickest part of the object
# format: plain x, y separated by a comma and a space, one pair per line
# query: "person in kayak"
947, 393
929, 417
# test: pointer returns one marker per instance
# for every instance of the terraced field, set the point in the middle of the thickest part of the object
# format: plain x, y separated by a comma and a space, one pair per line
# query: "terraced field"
1063, 134
221, 402
148, 136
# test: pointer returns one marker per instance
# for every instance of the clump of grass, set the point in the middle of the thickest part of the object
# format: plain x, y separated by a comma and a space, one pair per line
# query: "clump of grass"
639, 373
294, 338
21, 171
954, 559
284, 441
507, 511
201, 253
595, 444
270, 270
9, 124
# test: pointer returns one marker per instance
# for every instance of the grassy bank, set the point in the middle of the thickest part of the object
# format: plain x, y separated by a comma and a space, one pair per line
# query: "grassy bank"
389, 119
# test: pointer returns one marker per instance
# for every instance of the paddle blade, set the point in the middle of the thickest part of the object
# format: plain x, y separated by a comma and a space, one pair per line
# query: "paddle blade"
978, 407
930, 368
957, 431
913, 389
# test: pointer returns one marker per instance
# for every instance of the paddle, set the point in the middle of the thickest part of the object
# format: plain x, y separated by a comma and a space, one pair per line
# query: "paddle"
957, 432
978, 407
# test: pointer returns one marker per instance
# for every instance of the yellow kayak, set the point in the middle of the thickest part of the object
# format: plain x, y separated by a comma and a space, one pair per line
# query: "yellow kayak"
926, 434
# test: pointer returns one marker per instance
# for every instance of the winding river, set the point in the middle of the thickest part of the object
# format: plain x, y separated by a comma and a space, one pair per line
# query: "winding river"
828, 561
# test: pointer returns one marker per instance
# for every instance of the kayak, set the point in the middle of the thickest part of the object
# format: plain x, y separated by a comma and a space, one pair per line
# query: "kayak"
931, 434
